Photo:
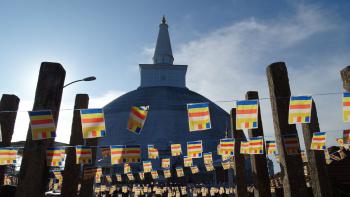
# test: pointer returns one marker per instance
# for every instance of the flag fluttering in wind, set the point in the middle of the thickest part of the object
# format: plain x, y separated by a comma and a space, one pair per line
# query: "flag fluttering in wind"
127, 168
117, 152
176, 150
300, 109
83, 154
208, 158
167, 173
226, 164
119, 177
271, 147
166, 163
256, 145
130, 176
198, 116
42, 125
318, 141
152, 152
55, 156
188, 161
142, 176
194, 169
132, 154
137, 118
209, 167
109, 178
346, 106
346, 136
8, 156
194, 149
179, 172
227, 146
247, 114
245, 147
154, 174
93, 123
291, 144
147, 166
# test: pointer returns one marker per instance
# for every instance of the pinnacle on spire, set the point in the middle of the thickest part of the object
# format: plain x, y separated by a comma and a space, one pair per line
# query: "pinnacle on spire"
163, 53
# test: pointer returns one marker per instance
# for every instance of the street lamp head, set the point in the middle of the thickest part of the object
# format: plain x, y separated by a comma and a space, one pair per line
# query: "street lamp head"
89, 78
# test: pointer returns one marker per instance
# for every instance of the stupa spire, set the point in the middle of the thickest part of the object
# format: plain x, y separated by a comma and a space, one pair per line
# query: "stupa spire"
163, 53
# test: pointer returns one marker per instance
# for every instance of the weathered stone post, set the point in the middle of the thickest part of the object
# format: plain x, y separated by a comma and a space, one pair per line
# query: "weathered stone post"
8, 107
87, 186
316, 159
258, 162
239, 162
294, 184
34, 173
72, 170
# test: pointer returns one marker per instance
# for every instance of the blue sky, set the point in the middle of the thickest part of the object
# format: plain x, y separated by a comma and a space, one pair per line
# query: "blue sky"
227, 45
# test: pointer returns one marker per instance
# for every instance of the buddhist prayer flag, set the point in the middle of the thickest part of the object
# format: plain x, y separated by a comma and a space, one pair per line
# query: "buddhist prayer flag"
154, 174
346, 106
93, 123
318, 141
176, 150
198, 116
130, 176
127, 168
227, 146
256, 145
340, 141
117, 152
137, 119
271, 147
142, 176
8, 156
179, 172
300, 109
291, 144
208, 158
98, 175
166, 163
42, 125
109, 178
55, 156
194, 169
188, 161
167, 173
119, 177
132, 154
346, 136
194, 149
147, 166
225, 157
247, 114
226, 164
209, 167
83, 154
152, 152
245, 147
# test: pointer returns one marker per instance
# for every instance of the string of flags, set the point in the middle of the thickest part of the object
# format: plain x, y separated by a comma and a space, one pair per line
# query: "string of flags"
93, 122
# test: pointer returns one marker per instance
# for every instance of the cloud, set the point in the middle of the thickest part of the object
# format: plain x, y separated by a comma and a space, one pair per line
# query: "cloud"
228, 62
65, 117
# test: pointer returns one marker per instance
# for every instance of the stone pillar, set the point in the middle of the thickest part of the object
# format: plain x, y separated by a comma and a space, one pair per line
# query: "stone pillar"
34, 174
87, 186
72, 170
294, 184
239, 161
316, 159
8, 113
258, 162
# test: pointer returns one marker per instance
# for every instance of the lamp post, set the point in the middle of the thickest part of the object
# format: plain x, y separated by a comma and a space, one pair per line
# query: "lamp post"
91, 78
